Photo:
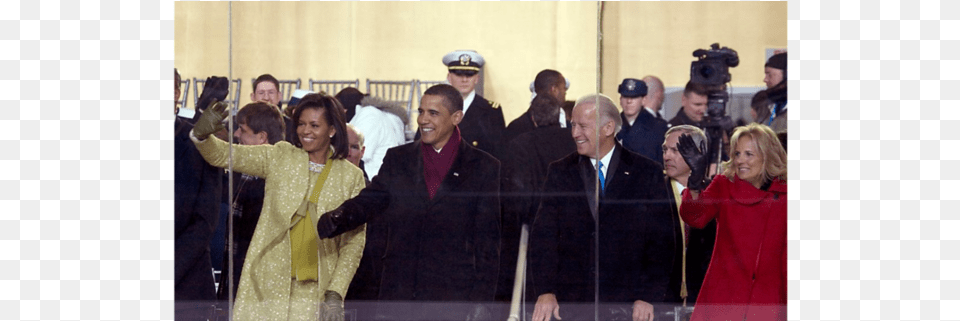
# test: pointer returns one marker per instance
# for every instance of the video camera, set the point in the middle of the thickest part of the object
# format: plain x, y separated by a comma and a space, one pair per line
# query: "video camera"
712, 70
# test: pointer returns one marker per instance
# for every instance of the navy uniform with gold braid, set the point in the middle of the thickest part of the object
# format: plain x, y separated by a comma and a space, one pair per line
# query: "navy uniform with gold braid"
483, 125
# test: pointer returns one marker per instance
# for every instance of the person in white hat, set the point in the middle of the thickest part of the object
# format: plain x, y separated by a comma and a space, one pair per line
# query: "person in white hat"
482, 124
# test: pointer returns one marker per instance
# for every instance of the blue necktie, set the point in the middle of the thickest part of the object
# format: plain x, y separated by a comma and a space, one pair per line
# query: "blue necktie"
602, 180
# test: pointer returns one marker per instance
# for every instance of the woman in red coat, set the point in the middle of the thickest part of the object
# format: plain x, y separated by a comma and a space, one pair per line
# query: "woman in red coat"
747, 277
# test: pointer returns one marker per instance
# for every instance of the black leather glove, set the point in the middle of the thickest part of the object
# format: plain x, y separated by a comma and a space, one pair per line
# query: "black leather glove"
327, 223
211, 121
214, 89
696, 159
332, 307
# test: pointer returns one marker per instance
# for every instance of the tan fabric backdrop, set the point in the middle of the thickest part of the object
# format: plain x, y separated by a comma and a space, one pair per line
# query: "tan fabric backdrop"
406, 40
391, 40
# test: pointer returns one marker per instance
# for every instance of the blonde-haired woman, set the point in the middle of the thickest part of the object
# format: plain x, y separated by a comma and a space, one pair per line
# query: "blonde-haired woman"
747, 277
289, 273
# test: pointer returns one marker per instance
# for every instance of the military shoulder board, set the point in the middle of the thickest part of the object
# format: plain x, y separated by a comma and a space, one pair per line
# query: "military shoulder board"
494, 104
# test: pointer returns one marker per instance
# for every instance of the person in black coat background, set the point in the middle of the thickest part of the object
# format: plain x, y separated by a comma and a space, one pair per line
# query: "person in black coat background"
524, 170
628, 205
550, 83
196, 191
439, 197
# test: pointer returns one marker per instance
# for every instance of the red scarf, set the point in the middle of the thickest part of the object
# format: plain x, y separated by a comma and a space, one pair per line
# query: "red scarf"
436, 165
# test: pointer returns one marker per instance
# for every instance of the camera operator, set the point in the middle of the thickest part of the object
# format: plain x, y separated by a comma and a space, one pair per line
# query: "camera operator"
772, 103
693, 106
705, 99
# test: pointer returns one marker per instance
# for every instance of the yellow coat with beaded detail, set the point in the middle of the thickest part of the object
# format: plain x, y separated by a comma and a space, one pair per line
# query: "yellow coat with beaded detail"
265, 284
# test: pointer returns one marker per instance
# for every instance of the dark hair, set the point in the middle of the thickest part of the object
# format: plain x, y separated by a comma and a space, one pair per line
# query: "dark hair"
333, 114
545, 110
547, 79
350, 97
695, 88
266, 77
262, 117
451, 97
176, 78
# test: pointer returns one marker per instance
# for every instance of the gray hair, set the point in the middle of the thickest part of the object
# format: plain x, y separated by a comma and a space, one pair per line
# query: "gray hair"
350, 127
607, 108
695, 132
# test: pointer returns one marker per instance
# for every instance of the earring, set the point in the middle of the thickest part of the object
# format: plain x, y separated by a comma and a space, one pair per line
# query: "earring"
331, 136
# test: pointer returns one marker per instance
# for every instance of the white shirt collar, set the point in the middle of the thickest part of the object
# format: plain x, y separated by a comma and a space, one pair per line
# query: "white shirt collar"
563, 119
650, 111
606, 161
469, 100
677, 185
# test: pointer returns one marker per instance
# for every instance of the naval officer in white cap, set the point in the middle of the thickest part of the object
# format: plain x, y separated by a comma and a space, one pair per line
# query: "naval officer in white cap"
482, 124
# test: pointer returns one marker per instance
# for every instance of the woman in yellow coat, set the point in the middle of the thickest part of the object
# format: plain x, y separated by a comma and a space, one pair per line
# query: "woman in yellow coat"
288, 274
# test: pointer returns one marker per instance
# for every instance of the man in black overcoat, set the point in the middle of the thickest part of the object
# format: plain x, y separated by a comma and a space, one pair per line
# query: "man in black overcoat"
196, 194
688, 277
626, 201
440, 198
524, 170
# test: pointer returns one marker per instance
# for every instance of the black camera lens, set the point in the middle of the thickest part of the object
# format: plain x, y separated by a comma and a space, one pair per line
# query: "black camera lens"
707, 72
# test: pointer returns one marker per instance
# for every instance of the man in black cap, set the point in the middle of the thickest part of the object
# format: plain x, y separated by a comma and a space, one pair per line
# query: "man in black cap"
642, 130
775, 76
482, 124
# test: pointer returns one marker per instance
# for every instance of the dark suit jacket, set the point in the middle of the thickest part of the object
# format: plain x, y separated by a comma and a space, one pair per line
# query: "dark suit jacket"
518, 126
196, 209
645, 136
440, 249
524, 170
248, 191
682, 119
637, 244
699, 251
482, 126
